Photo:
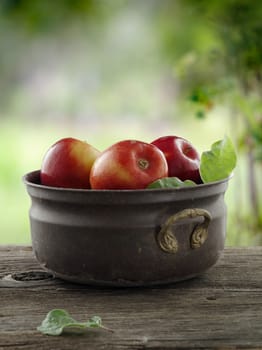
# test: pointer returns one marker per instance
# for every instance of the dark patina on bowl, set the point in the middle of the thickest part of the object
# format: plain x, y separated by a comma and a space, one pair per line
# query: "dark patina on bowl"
127, 237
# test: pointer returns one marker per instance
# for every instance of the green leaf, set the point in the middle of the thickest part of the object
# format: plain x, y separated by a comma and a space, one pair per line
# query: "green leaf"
219, 162
200, 114
171, 182
57, 320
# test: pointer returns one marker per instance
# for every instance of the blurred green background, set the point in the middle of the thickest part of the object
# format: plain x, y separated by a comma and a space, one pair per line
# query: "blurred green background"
104, 71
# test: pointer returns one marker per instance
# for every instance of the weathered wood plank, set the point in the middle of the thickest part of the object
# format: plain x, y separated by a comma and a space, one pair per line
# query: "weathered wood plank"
222, 309
237, 268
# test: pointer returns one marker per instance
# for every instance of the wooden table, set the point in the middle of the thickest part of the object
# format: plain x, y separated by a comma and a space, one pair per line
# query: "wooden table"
221, 309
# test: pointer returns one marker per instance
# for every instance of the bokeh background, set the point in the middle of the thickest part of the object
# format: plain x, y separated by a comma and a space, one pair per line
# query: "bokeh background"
107, 70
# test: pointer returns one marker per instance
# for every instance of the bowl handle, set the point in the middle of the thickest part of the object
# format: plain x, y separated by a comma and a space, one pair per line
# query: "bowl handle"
166, 238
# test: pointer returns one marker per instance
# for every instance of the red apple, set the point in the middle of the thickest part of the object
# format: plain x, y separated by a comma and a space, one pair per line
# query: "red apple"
182, 158
128, 164
68, 163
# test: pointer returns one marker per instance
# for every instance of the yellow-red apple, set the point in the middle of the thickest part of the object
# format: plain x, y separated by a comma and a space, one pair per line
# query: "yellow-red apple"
128, 164
67, 163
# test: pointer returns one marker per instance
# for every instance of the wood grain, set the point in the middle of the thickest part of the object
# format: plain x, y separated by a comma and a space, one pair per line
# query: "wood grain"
222, 309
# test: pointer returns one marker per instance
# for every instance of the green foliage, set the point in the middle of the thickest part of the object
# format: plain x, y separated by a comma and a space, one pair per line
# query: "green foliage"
219, 162
171, 182
57, 321
43, 16
229, 57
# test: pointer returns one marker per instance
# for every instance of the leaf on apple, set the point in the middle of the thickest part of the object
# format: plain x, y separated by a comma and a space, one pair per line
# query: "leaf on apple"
219, 162
171, 182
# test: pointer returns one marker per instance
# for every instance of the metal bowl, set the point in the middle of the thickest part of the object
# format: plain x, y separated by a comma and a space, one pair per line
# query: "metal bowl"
127, 237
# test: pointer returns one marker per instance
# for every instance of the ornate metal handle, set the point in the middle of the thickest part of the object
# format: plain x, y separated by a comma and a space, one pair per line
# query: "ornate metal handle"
166, 238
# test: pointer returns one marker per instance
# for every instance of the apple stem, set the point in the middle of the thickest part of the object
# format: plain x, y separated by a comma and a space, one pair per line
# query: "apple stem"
143, 164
